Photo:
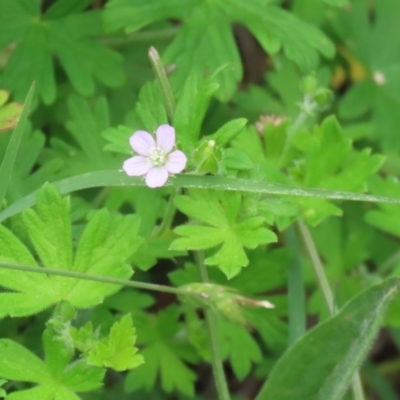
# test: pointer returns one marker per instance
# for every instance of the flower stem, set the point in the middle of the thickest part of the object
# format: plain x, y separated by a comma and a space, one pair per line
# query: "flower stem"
96, 278
211, 323
308, 105
165, 86
168, 216
356, 386
317, 266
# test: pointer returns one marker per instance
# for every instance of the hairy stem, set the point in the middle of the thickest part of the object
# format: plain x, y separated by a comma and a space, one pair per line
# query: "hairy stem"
322, 280
211, 323
356, 387
318, 267
97, 278
310, 106
296, 292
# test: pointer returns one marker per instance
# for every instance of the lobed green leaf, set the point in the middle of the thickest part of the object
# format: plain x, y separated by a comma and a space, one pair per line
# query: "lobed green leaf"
105, 245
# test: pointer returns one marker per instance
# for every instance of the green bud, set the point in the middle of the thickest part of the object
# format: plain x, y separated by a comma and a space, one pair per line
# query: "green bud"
63, 314
65, 311
207, 157
309, 84
323, 97
223, 300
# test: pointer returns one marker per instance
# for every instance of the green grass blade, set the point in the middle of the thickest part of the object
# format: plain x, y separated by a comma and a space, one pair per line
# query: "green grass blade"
119, 178
13, 146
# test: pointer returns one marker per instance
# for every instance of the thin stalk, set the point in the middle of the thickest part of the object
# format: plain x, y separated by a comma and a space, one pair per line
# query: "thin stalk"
318, 267
387, 266
168, 216
322, 280
211, 324
165, 86
356, 387
101, 197
296, 292
310, 106
96, 278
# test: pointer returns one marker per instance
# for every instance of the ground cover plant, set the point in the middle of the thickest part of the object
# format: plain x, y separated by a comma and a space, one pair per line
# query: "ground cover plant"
199, 199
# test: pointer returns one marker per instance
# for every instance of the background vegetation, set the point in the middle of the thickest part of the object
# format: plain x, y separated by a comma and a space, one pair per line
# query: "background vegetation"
288, 113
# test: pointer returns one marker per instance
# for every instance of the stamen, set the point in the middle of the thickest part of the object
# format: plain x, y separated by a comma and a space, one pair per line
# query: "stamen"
157, 157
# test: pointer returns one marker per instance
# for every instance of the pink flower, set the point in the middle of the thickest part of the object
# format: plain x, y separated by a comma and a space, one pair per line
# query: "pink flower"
155, 158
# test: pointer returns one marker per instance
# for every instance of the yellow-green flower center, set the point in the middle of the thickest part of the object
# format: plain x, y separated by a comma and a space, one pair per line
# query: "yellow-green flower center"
157, 157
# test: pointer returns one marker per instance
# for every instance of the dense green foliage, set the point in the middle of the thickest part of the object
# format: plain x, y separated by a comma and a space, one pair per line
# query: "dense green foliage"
267, 267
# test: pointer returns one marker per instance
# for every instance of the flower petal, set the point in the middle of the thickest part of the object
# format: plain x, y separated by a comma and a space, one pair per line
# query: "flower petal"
165, 138
176, 162
156, 177
142, 142
137, 166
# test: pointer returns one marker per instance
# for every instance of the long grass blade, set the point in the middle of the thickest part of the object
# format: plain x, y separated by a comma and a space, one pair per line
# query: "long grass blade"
118, 178
7, 165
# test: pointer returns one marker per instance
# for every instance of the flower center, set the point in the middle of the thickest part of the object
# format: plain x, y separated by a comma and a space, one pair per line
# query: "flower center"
157, 157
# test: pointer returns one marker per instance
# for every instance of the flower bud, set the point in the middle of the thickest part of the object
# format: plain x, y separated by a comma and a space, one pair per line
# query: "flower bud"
225, 300
309, 84
207, 157
322, 97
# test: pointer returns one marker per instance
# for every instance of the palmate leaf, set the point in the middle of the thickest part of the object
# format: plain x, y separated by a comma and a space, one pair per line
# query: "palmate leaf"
132, 15
86, 121
56, 33
375, 90
164, 353
205, 43
328, 161
276, 28
196, 94
149, 115
220, 211
239, 346
103, 249
56, 377
332, 163
212, 44
114, 351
